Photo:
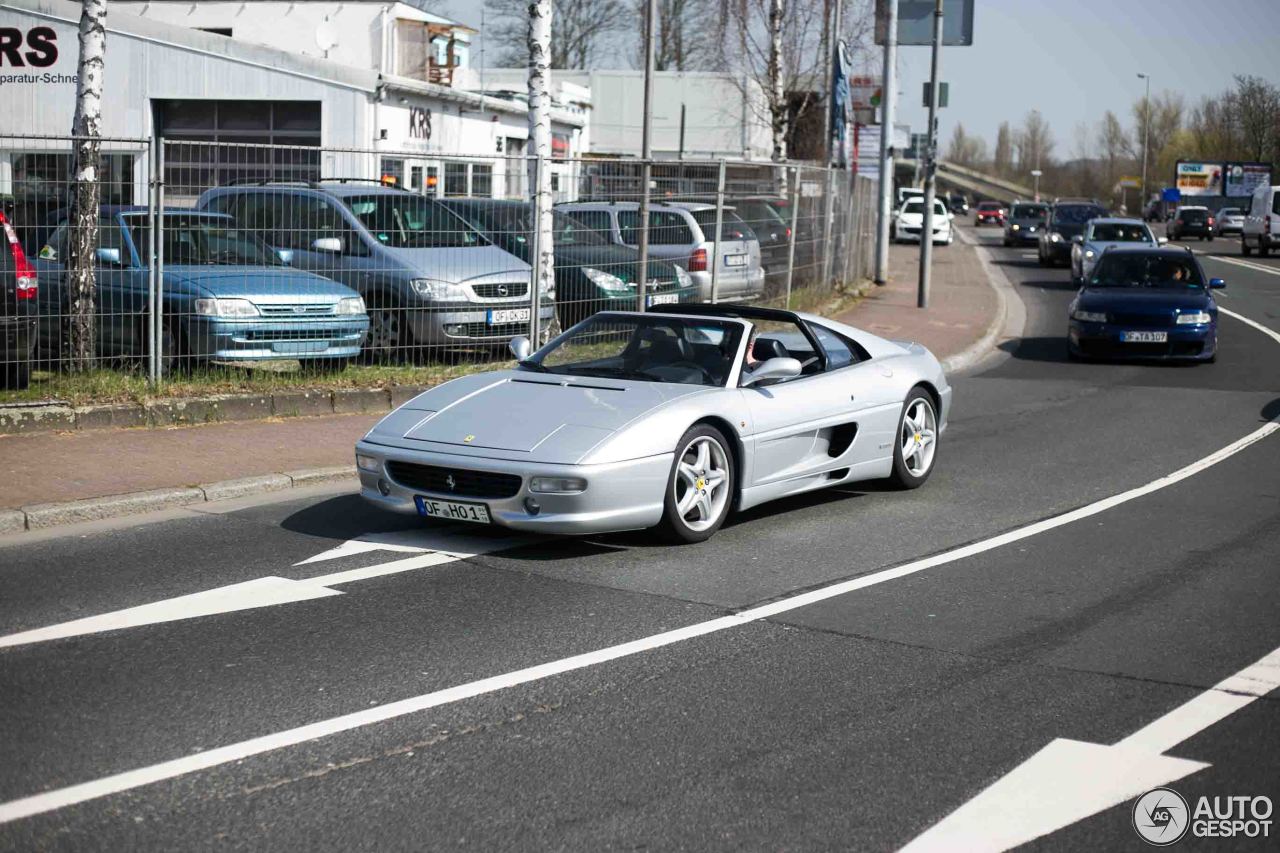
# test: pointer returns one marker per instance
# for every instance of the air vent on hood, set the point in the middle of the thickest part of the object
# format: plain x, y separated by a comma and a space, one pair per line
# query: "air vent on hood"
569, 385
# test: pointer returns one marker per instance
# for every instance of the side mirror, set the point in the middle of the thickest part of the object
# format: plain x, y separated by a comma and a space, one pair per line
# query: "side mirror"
773, 369
110, 257
1079, 238
285, 256
520, 347
1160, 241
328, 244
1217, 283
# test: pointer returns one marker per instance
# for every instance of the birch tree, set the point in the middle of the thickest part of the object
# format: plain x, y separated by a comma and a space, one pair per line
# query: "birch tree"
87, 130
777, 87
539, 46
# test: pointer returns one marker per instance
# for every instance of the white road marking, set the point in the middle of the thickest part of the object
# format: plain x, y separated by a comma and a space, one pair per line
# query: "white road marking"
1271, 333
1237, 261
434, 548
1071, 780
128, 780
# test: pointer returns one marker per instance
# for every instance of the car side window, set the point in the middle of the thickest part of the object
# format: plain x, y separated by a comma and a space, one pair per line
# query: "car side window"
305, 219
666, 228
840, 352
597, 221
261, 214
111, 236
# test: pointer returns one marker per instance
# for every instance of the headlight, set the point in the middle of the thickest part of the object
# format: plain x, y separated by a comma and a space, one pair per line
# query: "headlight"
1089, 253
226, 308
557, 484
1194, 319
432, 289
604, 280
1055, 237
683, 277
1015, 227
1089, 316
351, 305
366, 463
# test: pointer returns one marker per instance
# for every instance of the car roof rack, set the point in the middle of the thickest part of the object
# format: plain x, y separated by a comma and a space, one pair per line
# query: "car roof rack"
264, 182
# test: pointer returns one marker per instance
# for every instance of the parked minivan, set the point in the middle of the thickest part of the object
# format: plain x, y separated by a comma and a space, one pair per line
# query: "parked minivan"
1261, 229
427, 276
681, 232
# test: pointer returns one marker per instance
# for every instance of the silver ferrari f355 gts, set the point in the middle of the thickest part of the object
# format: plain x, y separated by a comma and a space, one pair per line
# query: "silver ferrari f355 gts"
669, 419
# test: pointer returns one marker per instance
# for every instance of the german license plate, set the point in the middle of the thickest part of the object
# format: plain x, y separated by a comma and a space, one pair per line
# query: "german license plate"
664, 298
452, 510
735, 260
1144, 337
499, 316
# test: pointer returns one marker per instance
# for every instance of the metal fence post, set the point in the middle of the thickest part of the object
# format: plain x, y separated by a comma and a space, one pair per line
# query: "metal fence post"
642, 280
153, 320
158, 267
535, 284
715, 247
826, 228
795, 220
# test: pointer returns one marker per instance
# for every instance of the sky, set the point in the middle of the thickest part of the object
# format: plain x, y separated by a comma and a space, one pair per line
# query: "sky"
1072, 59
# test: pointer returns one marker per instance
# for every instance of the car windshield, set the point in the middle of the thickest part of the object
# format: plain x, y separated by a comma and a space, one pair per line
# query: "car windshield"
653, 348
917, 206
1144, 270
1113, 232
406, 221
989, 205
202, 240
1076, 214
1192, 215
1030, 211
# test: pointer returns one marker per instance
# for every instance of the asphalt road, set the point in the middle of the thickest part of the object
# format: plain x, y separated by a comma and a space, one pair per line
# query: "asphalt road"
856, 722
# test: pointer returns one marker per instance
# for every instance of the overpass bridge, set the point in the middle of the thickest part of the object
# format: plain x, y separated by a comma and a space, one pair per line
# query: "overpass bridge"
971, 181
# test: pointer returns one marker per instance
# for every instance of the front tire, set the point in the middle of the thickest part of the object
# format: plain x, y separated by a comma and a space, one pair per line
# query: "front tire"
16, 375
1245, 249
699, 488
917, 446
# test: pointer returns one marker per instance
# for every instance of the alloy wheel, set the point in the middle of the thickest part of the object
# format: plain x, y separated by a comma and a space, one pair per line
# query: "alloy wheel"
919, 437
701, 483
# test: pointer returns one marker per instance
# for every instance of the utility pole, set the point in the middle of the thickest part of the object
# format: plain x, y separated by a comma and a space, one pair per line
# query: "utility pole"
931, 164
646, 151
887, 91
1146, 129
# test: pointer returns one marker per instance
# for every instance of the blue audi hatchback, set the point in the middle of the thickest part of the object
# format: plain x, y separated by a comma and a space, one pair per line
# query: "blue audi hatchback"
1142, 302
227, 296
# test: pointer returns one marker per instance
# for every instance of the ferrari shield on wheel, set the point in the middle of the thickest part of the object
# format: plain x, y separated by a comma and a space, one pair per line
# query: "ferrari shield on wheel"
917, 443
700, 488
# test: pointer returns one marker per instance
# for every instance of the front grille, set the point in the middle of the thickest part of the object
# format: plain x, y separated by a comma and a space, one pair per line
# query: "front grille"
484, 330
466, 483
500, 290
294, 310
296, 334
1159, 321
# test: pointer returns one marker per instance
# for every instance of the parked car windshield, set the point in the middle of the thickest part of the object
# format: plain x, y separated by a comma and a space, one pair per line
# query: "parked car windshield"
654, 348
1076, 214
1113, 232
201, 240
1030, 211
1143, 270
917, 206
406, 221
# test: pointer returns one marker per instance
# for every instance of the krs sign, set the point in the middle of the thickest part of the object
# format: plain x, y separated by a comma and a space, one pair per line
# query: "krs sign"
36, 48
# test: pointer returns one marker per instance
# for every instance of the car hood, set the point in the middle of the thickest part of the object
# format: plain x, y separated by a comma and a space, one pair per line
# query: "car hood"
262, 284
1142, 300
561, 418
460, 264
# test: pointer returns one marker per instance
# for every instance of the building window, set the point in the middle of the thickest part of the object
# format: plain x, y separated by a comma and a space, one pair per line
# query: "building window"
482, 180
415, 177
455, 179
433, 180
256, 140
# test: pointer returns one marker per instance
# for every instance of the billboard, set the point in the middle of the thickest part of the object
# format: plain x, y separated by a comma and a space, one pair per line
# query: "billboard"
1198, 178
1244, 178
915, 22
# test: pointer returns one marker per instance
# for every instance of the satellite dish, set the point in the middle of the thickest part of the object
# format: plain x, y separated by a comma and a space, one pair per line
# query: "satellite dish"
326, 36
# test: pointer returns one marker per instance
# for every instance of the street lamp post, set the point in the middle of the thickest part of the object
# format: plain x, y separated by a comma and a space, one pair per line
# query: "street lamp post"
1036, 173
1146, 130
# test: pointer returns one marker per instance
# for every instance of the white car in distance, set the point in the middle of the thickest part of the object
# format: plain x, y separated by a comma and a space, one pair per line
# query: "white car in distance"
909, 221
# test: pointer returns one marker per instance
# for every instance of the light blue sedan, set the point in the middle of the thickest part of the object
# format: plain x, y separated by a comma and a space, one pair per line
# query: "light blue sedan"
227, 296
1107, 233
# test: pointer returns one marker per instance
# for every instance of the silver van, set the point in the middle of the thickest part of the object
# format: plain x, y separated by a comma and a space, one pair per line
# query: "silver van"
681, 232
427, 277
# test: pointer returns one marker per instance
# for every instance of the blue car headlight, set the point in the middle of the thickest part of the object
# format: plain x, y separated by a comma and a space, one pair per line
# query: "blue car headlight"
1055, 237
1194, 318
351, 306
226, 308
1089, 316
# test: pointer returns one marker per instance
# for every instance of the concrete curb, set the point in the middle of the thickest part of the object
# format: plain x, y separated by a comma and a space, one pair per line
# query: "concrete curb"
996, 328
216, 408
44, 516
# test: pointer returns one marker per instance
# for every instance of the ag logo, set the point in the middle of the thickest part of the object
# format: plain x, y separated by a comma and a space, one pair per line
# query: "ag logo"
1161, 817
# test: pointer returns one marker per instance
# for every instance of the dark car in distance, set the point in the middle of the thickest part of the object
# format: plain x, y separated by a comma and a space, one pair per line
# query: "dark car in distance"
591, 273
1142, 302
1026, 219
768, 217
958, 204
1066, 222
1191, 221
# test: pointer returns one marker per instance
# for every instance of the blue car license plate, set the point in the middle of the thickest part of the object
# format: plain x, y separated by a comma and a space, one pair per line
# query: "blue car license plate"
1144, 337
452, 510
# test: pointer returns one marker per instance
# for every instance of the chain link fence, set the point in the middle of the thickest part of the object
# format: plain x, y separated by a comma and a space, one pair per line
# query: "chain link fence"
240, 263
